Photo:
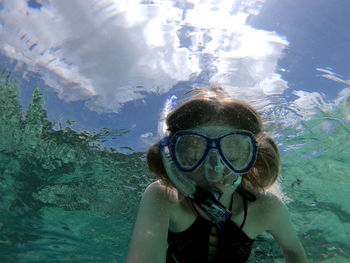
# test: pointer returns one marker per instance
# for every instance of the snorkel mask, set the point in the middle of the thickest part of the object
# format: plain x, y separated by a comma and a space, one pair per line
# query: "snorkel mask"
186, 151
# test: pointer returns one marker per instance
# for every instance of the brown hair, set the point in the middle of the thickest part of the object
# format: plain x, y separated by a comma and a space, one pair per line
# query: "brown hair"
214, 106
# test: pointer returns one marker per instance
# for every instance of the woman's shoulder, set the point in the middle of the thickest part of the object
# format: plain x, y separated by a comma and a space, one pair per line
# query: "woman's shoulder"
161, 192
156, 187
271, 205
272, 197
269, 199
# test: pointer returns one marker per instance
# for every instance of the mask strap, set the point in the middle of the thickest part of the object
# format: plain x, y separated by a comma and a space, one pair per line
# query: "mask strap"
185, 185
206, 200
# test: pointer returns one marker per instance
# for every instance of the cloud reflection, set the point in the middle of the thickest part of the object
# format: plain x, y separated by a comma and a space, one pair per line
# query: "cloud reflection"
110, 52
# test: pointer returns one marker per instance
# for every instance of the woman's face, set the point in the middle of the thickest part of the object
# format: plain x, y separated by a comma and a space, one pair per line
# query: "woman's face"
213, 174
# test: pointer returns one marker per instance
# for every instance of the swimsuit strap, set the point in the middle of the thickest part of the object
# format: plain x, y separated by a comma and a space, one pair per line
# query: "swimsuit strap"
194, 208
245, 211
245, 196
248, 196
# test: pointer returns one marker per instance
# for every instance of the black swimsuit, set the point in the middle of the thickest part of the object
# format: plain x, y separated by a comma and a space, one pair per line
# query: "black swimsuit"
192, 245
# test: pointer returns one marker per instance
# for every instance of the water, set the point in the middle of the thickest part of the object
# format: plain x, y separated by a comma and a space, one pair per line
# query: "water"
69, 190
64, 198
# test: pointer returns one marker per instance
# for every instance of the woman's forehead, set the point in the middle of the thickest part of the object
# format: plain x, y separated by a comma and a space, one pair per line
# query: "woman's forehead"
213, 130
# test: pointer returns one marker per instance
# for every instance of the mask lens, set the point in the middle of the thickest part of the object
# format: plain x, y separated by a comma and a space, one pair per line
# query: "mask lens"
238, 150
189, 150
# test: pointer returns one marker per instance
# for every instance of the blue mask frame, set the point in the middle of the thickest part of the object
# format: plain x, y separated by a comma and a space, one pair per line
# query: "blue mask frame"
211, 144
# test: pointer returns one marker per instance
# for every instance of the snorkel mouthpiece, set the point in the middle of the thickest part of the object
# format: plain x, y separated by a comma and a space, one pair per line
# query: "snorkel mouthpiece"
205, 199
218, 169
214, 173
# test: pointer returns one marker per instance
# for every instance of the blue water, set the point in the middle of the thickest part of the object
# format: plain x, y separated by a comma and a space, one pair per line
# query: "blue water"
80, 108
65, 197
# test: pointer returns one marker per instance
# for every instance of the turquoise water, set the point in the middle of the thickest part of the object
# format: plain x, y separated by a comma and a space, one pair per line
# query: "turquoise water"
66, 198
69, 190
63, 198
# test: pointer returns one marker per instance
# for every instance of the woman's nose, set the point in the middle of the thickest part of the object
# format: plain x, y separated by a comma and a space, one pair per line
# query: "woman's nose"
214, 158
214, 168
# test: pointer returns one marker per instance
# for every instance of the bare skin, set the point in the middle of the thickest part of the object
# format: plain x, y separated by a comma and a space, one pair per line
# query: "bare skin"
160, 213
183, 214
163, 209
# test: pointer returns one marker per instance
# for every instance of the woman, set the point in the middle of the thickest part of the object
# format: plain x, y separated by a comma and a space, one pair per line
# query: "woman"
211, 201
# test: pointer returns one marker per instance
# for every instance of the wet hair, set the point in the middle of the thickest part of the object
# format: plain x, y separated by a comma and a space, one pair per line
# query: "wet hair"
214, 106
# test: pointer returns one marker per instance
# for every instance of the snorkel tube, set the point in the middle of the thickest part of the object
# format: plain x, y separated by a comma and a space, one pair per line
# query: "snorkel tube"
206, 200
